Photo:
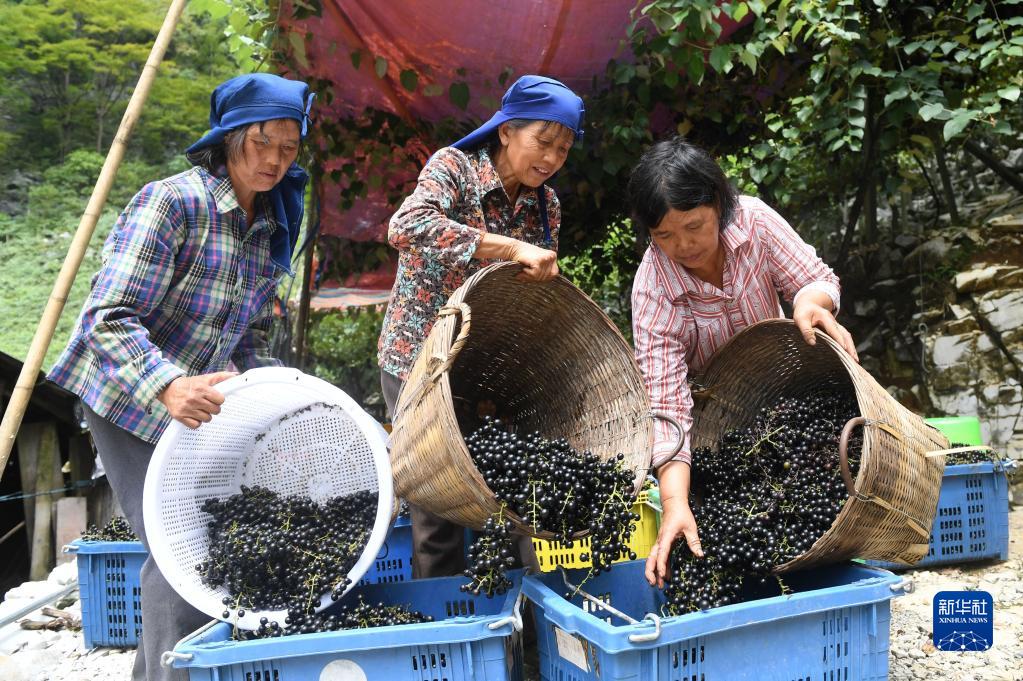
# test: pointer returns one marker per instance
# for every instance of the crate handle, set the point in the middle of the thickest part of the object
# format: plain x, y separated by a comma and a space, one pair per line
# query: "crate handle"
168, 656
445, 362
906, 586
678, 427
634, 638
514, 619
69, 548
653, 635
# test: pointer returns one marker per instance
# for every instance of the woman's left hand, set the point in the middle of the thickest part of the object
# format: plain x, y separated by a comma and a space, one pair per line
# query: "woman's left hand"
809, 314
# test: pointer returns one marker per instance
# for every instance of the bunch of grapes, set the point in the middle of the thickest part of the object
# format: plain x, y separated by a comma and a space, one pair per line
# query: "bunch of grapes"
553, 488
117, 529
274, 553
767, 493
359, 615
972, 456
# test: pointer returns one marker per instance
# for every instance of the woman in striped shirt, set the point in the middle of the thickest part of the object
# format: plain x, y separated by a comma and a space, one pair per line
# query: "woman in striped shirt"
716, 264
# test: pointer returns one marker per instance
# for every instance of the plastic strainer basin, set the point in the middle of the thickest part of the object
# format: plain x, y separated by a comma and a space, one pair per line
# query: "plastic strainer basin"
280, 429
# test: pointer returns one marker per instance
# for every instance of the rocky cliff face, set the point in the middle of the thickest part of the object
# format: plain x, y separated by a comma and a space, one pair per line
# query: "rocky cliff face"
941, 323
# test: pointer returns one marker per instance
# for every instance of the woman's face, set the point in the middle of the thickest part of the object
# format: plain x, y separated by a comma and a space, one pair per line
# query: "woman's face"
533, 153
266, 156
689, 237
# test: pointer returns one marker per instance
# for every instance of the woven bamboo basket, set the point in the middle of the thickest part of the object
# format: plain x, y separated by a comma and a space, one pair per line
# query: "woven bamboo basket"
542, 357
894, 495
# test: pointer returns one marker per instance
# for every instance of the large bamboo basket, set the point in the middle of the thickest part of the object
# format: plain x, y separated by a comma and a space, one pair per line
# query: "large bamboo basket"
895, 492
546, 357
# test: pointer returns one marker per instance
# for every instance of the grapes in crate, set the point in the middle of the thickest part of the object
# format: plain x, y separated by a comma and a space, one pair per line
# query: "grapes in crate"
360, 615
766, 493
273, 552
117, 529
553, 488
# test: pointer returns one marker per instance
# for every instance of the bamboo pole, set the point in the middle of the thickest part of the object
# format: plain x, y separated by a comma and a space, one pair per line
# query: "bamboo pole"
58, 297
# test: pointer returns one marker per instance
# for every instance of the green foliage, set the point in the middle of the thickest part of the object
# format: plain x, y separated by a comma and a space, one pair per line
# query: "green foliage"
604, 271
31, 262
342, 349
69, 67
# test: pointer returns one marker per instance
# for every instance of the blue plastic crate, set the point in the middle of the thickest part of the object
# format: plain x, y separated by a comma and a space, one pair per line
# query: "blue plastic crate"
972, 520
394, 562
111, 596
474, 637
833, 627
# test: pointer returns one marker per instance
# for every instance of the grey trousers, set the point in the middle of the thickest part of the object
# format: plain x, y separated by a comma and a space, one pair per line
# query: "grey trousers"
438, 545
166, 617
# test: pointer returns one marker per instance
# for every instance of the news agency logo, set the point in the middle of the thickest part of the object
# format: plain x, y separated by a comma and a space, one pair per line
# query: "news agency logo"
963, 621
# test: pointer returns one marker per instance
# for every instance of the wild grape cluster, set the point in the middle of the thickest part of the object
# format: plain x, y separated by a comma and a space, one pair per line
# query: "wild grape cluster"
972, 456
359, 615
117, 529
553, 488
767, 493
274, 553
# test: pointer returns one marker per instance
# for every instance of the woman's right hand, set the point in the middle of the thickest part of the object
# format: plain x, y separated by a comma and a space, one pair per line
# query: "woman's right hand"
192, 399
676, 521
538, 264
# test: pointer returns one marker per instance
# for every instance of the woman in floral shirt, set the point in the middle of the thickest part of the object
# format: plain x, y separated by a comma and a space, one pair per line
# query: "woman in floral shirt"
480, 200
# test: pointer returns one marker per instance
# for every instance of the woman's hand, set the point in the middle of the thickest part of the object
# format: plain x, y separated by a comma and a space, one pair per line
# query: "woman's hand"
538, 264
676, 521
809, 313
192, 399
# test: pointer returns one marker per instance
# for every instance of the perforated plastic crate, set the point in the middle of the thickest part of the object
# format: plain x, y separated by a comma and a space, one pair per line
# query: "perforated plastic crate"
394, 562
833, 627
109, 589
972, 520
473, 637
552, 554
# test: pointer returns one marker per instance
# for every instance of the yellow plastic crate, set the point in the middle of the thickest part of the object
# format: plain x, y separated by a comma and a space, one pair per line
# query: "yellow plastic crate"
551, 554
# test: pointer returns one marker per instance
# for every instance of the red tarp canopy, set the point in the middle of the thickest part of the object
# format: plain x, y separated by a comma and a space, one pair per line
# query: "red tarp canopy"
443, 42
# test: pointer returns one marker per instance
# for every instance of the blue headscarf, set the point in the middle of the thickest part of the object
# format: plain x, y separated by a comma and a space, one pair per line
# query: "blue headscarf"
254, 98
533, 98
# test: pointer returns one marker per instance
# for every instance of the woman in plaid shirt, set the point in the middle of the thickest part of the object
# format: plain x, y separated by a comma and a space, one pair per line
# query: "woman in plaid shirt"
715, 265
185, 295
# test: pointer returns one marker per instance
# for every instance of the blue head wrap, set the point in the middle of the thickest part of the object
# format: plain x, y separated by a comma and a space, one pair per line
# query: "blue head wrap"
254, 98
534, 98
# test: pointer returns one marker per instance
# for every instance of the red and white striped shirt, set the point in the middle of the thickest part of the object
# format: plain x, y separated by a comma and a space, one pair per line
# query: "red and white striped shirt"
679, 321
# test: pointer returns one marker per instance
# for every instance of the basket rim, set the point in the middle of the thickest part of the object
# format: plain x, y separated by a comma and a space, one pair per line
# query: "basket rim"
185, 582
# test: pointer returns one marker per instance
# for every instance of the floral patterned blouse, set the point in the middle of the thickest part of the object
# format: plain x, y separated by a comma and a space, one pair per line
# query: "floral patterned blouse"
437, 230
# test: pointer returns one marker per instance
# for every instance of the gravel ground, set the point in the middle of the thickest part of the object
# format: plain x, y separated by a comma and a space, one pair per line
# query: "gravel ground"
60, 656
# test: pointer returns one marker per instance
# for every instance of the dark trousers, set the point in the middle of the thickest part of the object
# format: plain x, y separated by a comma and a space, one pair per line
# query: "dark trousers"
438, 545
166, 617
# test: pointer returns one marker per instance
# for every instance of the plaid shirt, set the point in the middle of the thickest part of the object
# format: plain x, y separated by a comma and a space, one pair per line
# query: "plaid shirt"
679, 321
184, 289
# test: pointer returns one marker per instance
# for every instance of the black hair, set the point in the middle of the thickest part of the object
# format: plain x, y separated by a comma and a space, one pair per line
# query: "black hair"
674, 173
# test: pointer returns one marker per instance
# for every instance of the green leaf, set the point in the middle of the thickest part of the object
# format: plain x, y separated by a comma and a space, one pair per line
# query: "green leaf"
748, 60
297, 43
380, 67
974, 11
1010, 93
356, 59
433, 90
720, 58
458, 93
740, 11
956, 124
900, 92
929, 111
409, 79
922, 140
